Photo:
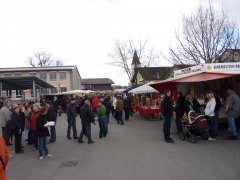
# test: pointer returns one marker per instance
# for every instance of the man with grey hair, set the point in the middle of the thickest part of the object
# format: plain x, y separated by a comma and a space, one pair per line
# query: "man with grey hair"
5, 116
87, 118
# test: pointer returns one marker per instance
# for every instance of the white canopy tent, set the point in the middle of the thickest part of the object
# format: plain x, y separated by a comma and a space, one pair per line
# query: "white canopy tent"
143, 89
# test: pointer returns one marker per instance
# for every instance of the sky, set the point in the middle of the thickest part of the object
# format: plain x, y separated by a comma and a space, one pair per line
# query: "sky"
82, 32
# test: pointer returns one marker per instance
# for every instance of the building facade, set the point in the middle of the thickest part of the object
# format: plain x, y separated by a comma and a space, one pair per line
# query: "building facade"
97, 84
63, 78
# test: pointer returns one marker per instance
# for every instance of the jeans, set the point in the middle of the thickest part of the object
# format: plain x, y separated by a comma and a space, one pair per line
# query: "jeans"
232, 126
86, 130
119, 117
107, 122
216, 117
42, 146
53, 133
102, 126
212, 125
17, 141
34, 139
166, 126
72, 124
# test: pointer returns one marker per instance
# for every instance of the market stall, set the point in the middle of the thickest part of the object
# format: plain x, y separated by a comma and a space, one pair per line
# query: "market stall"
148, 108
197, 80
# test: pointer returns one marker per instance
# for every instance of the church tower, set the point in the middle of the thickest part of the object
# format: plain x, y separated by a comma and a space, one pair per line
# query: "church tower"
135, 62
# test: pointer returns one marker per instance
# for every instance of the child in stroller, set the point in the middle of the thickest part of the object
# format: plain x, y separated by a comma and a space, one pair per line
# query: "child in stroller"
194, 125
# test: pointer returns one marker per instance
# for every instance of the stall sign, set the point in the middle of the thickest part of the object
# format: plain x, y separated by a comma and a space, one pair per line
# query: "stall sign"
189, 71
232, 68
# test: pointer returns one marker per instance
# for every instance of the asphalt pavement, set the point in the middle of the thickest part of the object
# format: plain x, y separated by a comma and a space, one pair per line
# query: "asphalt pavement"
134, 151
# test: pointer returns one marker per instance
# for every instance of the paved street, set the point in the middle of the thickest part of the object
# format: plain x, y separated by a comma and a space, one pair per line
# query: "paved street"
135, 151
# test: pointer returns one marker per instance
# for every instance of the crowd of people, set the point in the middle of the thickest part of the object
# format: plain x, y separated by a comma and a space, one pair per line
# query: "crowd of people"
211, 108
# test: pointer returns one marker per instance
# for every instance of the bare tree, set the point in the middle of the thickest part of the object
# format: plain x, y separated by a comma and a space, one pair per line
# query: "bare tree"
205, 35
123, 52
43, 59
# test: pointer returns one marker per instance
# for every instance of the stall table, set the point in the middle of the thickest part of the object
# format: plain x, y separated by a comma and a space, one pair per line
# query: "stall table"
149, 112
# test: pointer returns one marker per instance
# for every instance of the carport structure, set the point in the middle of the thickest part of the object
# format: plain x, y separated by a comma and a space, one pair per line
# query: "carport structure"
23, 83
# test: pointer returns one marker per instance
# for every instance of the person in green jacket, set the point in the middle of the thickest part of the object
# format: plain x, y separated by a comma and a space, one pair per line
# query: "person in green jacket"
102, 119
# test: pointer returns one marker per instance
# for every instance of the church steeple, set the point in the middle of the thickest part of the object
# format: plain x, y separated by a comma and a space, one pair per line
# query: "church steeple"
135, 60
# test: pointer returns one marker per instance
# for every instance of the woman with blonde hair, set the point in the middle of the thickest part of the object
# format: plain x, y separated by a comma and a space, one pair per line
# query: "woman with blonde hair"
210, 115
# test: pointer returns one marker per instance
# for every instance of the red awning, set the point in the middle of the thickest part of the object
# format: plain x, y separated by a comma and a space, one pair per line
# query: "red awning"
203, 77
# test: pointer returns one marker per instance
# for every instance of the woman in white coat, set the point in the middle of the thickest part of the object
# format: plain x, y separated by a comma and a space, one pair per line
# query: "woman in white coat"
210, 115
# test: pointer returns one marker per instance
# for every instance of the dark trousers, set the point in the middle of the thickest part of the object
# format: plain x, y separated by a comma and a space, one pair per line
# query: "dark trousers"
119, 117
212, 125
127, 112
17, 135
34, 139
86, 130
72, 125
166, 126
53, 133
102, 126
107, 122
178, 122
6, 135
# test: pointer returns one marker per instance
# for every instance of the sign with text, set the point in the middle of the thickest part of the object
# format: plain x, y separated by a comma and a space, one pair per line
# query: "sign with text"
229, 68
189, 71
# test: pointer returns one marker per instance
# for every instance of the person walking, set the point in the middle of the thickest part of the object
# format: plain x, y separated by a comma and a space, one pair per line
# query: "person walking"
43, 133
51, 116
126, 107
210, 115
119, 110
4, 158
167, 111
71, 111
87, 118
6, 116
18, 121
179, 109
102, 120
232, 110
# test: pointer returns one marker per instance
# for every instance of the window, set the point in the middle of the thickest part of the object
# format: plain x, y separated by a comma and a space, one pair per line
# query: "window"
54, 90
43, 76
17, 74
32, 74
7, 74
63, 89
53, 76
62, 75
19, 93
8, 93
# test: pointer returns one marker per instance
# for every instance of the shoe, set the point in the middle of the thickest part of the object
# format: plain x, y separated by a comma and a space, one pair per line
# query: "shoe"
35, 149
91, 142
211, 139
76, 138
169, 141
100, 136
51, 141
19, 152
234, 138
80, 141
69, 137
49, 155
41, 158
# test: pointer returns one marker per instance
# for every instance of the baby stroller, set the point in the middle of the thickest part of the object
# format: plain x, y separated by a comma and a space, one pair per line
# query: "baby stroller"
194, 125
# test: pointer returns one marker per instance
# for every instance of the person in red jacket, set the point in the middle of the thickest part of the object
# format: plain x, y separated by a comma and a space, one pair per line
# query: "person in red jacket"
4, 157
33, 117
95, 104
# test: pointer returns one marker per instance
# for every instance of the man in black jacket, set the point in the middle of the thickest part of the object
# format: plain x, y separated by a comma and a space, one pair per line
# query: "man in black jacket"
71, 111
87, 118
179, 108
167, 112
51, 116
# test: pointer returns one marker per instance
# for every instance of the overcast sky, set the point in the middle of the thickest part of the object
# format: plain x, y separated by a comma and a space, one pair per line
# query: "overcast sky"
82, 32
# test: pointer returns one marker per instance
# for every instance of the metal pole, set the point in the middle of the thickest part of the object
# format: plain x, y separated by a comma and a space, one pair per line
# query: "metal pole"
34, 91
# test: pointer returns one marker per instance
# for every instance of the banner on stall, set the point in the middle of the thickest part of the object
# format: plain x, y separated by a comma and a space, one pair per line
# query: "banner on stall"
228, 68
189, 71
